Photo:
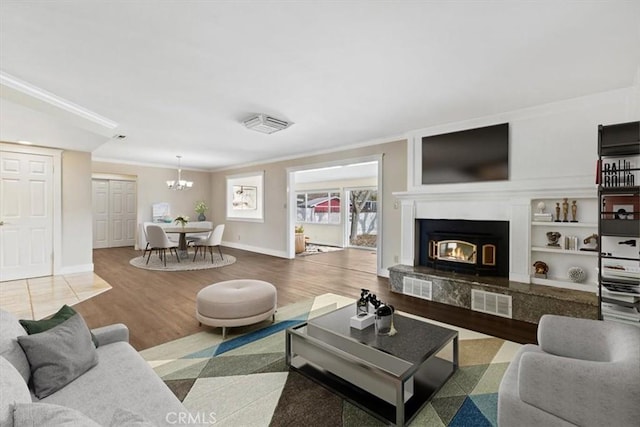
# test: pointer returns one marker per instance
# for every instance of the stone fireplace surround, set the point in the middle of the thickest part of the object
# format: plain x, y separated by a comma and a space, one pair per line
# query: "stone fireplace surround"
490, 202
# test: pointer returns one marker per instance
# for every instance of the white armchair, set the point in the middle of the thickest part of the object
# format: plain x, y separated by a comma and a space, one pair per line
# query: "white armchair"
584, 372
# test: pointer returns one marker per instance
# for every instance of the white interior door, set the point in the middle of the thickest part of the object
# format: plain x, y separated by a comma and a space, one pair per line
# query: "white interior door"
114, 213
122, 213
26, 215
100, 189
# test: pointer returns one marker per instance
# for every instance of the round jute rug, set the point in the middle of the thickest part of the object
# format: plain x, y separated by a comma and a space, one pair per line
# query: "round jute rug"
155, 263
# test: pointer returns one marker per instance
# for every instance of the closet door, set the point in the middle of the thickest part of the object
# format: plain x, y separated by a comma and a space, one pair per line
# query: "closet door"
100, 214
114, 213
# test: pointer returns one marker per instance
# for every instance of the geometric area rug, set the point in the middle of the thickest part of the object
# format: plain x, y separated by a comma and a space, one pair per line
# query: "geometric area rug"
244, 381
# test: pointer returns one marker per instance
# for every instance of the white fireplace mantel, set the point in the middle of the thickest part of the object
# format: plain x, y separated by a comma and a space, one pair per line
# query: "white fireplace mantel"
506, 201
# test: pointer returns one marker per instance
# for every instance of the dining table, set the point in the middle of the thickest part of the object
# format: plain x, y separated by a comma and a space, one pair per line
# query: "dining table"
183, 231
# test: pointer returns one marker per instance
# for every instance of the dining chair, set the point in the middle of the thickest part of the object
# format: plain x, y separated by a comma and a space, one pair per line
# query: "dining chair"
214, 240
146, 237
192, 238
159, 241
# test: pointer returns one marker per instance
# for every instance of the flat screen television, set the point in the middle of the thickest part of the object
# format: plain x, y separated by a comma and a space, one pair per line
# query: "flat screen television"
473, 155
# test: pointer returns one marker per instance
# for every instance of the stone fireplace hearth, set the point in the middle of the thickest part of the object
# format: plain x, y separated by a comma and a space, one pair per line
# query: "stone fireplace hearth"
526, 302
425, 269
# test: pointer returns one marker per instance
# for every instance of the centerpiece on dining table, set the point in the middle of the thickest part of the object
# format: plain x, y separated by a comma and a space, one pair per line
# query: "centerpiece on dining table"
200, 208
182, 220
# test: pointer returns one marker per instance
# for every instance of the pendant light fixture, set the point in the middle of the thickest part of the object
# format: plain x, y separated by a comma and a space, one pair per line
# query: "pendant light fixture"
179, 184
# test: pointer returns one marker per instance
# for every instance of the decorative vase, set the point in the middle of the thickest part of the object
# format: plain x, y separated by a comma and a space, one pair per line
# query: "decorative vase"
384, 319
577, 275
300, 243
201, 217
362, 308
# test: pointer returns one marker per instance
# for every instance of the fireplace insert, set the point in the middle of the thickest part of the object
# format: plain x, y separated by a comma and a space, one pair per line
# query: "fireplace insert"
472, 247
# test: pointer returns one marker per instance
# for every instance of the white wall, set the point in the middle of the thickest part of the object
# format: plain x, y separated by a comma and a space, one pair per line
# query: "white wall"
553, 152
553, 142
77, 244
270, 237
152, 188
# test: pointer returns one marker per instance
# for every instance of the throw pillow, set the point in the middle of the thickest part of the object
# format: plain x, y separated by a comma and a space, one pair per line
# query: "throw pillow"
37, 326
46, 414
59, 355
125, 418
13, 390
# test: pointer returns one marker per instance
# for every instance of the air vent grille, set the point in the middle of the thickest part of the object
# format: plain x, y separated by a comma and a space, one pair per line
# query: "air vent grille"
489, 302
266, 124
417, 287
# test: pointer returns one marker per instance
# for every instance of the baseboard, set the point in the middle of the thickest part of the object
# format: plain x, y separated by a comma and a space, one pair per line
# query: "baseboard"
74, 269
257, 249
383, 272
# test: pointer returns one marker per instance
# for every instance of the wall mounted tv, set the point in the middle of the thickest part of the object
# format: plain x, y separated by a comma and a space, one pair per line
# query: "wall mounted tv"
472, 155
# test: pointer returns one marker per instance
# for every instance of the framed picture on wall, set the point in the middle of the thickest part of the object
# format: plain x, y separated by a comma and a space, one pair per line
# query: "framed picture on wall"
245, 197
621, 207
622, 211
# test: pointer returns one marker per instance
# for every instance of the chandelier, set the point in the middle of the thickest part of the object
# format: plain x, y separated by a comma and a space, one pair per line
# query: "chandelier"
179, 184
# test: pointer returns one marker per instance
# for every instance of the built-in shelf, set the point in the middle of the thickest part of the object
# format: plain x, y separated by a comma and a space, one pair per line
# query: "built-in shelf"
560, 283
563, 251
565, 224
558, 259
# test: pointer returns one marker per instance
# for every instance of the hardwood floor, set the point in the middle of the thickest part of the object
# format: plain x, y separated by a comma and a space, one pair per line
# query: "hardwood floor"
159, 306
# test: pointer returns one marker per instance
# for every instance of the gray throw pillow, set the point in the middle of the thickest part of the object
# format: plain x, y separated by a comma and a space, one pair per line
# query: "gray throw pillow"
59, 355
45, 414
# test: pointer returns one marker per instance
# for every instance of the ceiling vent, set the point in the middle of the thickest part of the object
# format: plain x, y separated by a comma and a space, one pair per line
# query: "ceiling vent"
266, 124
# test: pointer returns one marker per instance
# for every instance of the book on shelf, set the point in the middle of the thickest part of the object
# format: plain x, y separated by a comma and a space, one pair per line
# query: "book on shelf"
546, 217
617, 311
621, 319
621, 296
627, 288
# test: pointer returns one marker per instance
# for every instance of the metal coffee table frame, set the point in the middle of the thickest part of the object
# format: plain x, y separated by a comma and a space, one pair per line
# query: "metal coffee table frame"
358, 371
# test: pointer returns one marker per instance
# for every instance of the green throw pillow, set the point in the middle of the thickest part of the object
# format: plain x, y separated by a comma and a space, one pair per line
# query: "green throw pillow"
37, 326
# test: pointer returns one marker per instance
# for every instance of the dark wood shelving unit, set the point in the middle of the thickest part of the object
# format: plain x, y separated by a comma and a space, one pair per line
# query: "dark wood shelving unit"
618, 185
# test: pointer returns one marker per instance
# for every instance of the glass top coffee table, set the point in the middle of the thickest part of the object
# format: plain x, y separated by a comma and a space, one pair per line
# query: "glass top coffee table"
391, 377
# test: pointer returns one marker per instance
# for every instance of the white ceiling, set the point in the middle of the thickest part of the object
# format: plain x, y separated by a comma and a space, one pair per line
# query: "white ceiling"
180, 76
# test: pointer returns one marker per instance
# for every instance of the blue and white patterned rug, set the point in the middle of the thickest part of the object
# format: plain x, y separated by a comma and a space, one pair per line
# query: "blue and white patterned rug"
244, 381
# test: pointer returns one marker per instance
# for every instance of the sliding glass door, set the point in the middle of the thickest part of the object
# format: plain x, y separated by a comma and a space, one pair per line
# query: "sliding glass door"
361, 225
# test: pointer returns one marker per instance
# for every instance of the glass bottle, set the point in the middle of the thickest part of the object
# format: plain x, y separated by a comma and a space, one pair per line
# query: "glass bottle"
362, 307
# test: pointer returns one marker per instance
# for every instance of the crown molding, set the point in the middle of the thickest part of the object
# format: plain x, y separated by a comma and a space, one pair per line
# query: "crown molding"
7, 81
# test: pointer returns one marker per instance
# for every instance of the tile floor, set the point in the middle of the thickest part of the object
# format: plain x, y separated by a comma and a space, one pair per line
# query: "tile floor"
42, 296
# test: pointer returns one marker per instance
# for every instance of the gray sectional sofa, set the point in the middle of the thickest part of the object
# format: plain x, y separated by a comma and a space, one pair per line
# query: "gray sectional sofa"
120, 387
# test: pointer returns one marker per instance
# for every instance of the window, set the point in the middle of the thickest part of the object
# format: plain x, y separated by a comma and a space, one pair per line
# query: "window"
318, 207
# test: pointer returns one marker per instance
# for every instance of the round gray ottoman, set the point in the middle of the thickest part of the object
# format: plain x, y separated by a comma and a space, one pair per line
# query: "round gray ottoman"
236, 303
